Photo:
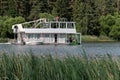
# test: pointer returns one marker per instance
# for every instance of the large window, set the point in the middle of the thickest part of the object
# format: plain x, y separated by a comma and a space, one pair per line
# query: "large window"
46, 35
62, 25
37, 36
70, 25
62, 36
54, 25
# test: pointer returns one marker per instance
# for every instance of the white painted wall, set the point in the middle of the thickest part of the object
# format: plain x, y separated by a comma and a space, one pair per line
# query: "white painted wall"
49, 30
48, 38
52, 38
61, 38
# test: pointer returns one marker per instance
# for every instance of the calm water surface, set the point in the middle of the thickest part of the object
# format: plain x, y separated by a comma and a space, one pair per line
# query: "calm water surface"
89, 48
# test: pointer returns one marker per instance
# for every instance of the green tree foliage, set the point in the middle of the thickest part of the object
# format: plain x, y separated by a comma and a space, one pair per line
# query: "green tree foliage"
78, 10
110, 25
34, 9
6, 25
93, 17
86, 14
93, 14
110, 6
2, 28
115, 32
62, 9
11, 10
46, 15
106, 23
23, 8
38, 6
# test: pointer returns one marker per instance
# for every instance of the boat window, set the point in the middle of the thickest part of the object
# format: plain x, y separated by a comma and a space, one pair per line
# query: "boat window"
62, 35
70, 25
62, 25
34, 36
54, 25
46, 35
38, 35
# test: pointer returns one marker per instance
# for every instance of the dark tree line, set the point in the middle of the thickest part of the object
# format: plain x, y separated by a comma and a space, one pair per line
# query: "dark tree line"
31, 8
89, 15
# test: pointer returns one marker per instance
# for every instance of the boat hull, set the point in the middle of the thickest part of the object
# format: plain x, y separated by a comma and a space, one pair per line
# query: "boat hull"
33, 43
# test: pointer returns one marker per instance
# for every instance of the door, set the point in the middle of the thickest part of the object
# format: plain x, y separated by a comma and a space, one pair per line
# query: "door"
55, 38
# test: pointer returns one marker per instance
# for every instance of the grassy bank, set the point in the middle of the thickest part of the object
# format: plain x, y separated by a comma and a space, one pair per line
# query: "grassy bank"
30, 67
88, 38
3, 40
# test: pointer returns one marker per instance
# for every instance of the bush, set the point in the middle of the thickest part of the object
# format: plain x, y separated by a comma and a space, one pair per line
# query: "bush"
106, 23
115, 32
46, 15
7, 26
2, 40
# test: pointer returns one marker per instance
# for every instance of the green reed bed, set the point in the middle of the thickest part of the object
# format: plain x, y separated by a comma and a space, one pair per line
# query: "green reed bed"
31, 67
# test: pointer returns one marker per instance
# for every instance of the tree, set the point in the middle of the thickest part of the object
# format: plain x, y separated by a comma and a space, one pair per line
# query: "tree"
46, 15
62, 9
93, 14
44, 6
86, 15
7, 24
106, 23
38, 6
23, 8
110, 7
4, 7
79, 16
115, 31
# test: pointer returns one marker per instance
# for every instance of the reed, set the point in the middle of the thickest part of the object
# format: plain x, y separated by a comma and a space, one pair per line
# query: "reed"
32, 67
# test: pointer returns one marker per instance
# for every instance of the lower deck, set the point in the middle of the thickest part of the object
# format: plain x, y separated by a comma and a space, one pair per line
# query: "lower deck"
48, 38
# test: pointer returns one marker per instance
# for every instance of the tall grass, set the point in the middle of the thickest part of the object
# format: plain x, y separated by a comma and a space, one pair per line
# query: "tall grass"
31, 67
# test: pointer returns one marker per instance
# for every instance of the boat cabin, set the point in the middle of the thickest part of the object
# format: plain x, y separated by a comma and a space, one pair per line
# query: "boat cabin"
43, 31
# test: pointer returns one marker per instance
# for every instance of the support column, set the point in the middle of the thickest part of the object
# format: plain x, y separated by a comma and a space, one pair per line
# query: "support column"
50, 38
66, 39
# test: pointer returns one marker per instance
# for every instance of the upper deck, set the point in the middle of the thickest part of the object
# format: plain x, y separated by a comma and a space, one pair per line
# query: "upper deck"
46, 26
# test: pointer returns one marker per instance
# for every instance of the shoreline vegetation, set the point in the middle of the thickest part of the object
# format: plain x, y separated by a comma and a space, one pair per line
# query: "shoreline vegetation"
89, 38
4, 40
81, 67
85, 38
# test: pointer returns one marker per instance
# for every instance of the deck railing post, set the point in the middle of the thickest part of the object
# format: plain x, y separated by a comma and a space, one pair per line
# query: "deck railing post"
50, 25
66, 25
80, 38
66, 39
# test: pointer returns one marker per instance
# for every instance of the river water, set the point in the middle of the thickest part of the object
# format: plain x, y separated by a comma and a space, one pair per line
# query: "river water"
89, 48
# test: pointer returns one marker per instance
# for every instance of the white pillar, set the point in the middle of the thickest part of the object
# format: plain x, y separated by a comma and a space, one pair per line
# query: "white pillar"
66, 38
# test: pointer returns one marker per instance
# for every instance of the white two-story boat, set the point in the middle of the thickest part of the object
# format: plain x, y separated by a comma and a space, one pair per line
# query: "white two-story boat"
43, 31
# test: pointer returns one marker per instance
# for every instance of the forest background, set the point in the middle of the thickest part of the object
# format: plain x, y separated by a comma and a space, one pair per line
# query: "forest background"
92, 17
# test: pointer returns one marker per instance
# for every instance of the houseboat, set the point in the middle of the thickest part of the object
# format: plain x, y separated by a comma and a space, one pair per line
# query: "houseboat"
44, 31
